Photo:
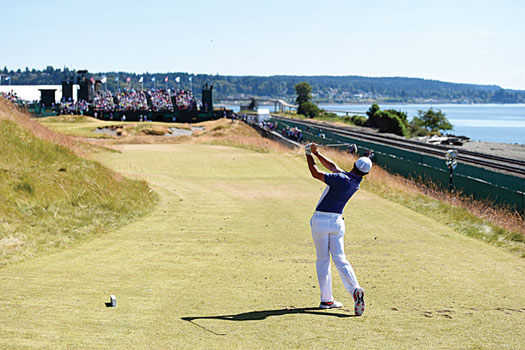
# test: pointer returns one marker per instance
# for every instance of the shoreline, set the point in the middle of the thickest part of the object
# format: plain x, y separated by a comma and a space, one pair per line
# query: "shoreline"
501, 149
493, 123
508, 150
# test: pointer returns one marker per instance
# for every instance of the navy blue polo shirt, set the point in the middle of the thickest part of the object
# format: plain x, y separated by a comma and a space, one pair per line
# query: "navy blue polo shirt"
341, 186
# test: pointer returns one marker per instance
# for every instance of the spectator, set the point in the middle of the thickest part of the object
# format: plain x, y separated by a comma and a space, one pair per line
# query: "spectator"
160, 100
295, 134
11, 96
184, 100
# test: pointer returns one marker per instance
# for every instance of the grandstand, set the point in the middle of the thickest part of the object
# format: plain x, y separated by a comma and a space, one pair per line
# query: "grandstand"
176, 105
155, 104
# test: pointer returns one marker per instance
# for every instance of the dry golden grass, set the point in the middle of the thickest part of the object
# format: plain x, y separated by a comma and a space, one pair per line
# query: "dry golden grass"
218, 132
384, 182
9, 111
224, 132
52, 198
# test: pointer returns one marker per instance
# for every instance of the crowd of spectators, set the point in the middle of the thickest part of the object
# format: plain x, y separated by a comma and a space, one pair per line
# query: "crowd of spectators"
104, 101
128, 100
184, 100
160, 100
11, 96
131, 100
295, 134
70, 107
137, 100
269, 125
252, 119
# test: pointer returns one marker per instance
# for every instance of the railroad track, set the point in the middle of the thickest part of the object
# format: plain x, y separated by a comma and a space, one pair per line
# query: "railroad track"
513, 166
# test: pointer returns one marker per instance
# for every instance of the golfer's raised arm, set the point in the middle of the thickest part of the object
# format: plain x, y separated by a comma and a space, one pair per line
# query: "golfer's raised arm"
327, 163
314, 170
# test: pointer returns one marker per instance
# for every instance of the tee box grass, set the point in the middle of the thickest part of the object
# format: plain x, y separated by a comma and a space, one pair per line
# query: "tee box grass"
226, 261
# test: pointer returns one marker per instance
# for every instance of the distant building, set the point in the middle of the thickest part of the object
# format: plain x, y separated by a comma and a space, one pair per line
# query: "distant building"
32, 92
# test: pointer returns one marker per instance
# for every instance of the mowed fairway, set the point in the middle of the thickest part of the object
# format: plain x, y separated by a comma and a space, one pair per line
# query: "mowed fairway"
226, 261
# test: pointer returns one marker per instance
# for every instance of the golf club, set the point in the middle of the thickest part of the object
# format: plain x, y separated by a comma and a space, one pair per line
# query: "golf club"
336, 145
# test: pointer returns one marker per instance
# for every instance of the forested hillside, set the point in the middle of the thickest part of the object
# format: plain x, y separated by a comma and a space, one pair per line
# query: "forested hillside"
325, 88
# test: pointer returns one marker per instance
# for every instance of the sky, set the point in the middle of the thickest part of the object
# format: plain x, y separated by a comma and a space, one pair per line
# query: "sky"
480, 42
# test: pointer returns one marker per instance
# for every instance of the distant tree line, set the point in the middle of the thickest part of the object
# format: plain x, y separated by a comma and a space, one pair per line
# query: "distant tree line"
334, 89
429, 122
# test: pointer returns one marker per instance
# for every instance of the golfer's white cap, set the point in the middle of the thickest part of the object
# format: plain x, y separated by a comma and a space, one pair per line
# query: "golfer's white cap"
363, 164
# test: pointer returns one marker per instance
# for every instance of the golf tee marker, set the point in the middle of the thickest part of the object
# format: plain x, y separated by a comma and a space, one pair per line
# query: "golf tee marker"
112, 301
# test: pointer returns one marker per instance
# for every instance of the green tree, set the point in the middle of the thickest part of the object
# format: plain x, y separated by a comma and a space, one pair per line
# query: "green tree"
303, 90
387, 122
309, 109
359, 120
390, 121
432, 121
373, 110
402, 115
306, 107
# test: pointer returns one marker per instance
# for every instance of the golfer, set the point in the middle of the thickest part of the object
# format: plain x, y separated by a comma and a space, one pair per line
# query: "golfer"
328, 226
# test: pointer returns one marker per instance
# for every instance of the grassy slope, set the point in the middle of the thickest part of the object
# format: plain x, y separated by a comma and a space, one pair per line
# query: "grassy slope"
51, 198
226, 261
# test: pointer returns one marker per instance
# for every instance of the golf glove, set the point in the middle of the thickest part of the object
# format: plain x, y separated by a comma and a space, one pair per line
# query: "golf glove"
313, 148
308, 149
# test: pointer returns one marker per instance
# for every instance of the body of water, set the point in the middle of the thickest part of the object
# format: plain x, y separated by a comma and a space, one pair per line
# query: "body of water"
481, 122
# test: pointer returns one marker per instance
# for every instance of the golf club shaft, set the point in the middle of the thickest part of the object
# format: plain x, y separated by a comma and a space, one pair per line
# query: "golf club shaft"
336, 145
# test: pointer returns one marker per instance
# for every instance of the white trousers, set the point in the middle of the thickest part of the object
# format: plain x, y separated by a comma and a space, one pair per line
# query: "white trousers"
328, 230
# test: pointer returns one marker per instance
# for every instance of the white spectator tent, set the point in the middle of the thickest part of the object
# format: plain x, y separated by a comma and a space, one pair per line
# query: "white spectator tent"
263, 115
32, 92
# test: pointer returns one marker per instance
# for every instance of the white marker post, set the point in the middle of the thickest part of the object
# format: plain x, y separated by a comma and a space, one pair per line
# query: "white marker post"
113, 300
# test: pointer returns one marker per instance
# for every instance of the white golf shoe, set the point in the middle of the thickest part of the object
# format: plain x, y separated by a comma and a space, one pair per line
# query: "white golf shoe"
330, 305
359, 298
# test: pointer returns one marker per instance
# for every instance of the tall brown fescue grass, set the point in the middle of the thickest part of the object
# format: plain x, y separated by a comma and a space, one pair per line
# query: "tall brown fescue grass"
238, 134
385, 182
52, 198
9, 111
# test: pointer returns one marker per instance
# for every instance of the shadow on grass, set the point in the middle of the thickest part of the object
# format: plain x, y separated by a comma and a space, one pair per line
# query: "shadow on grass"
262, 315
